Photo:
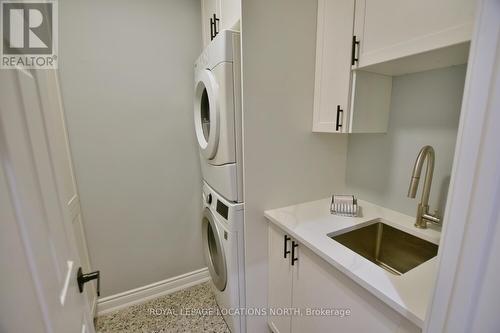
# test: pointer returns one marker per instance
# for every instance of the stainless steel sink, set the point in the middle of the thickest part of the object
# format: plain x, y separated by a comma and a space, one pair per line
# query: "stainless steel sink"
392, 249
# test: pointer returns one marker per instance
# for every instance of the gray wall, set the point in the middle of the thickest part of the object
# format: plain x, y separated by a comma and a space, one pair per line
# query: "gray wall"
127, 83
285, 163
425, 109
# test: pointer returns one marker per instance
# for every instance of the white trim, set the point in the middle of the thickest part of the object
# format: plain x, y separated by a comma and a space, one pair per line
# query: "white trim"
143, 294
93, 308
472, 207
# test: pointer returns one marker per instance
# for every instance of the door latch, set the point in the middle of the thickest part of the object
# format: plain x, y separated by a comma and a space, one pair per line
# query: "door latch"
84, 278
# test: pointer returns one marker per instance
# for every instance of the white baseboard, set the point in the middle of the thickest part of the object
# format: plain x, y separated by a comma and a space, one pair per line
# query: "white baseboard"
142, 294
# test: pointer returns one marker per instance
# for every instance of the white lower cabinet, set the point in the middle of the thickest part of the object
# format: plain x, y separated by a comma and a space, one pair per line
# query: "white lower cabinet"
316, 287
280, 279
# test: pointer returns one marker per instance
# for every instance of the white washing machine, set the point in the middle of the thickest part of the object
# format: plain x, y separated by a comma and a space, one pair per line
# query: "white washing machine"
222, 233
217, 114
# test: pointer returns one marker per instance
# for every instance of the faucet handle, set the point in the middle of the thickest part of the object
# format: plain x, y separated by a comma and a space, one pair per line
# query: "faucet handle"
433, 218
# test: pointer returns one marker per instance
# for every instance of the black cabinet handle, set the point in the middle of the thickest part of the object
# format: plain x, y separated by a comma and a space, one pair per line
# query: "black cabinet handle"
338, 124
293, 260
214, 24
211, 29
84, 278
355, 43
285, 250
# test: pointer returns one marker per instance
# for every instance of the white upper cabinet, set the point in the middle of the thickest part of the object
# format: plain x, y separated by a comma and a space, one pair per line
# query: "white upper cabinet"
395, 29
361, 44
217, 15
210, 19
333, 64
345, 101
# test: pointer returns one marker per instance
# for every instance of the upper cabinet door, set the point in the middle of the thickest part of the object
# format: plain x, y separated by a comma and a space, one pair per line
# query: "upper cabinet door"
210, 19
333, 65
219, 15
393, 29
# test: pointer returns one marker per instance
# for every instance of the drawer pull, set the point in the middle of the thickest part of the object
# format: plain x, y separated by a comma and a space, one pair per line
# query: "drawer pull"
285, 242
293, 260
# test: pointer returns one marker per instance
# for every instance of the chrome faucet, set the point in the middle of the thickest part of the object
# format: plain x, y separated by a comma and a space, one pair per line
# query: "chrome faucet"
423, 215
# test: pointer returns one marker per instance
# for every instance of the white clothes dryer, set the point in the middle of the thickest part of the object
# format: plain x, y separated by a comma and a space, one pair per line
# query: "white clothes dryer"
217, 114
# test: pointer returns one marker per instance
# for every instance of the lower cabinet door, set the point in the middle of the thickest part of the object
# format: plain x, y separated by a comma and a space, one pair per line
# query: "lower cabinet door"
280, 281
325, 294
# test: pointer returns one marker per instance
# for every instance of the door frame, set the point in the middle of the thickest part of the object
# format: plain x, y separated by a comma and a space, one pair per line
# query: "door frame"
471, 223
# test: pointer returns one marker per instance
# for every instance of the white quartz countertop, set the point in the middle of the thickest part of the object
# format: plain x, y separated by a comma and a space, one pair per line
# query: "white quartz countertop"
311, 222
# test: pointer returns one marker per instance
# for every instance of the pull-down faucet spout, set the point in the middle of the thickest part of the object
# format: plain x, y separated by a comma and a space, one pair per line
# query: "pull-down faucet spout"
423, 215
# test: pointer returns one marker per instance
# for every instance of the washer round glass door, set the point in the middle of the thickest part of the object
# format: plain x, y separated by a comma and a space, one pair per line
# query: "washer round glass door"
206, 113
213, 250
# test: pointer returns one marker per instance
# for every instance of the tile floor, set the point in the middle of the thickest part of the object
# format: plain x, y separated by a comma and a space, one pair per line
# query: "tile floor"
189, 310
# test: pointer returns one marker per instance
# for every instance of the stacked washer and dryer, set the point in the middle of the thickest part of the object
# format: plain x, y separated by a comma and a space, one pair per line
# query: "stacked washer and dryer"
218, 126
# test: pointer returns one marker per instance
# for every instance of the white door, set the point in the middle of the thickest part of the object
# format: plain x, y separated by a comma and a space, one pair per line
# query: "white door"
39, 268
59, 148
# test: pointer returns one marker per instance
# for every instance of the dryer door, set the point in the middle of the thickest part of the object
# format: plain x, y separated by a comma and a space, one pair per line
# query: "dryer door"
206, 113
215, 257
